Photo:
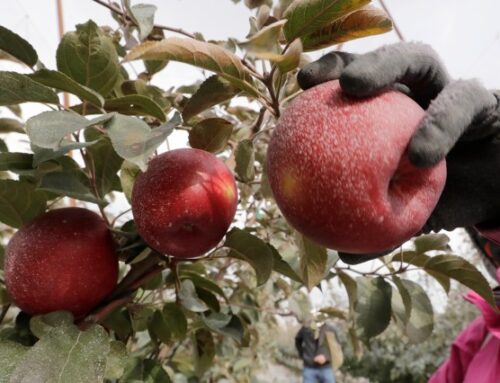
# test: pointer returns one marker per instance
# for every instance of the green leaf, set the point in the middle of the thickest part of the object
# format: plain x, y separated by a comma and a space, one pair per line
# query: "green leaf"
68, 184
16, 161
116, 361
60, 81
10, 125
41, 325
351, 287
307, 16
65, 354
89, 57
253, 250
245, 158
201, 54
266, 40
105, 161
208, 298
134, 140
144, 371
211, 135
286, 62
158, 327
42, 154
119, 322
429, 242
204, 351
11, 353
145, 89
20, 202
17, 47
404, 300
282, 267
212, 91
154, 66
313, 259
135, 104
140, 316
291, 59
202, 282
189, 298
374, 306
143, 15
419, 260
462, 271
16, 88
215, 321
234, 329
128, 174
48, 129
363, 22
176, 320
421, 322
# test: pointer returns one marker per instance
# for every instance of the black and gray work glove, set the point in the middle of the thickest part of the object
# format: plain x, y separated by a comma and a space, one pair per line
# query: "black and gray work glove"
462, 125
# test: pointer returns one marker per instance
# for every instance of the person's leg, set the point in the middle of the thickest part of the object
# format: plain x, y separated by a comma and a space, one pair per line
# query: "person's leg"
310, 375
326, 375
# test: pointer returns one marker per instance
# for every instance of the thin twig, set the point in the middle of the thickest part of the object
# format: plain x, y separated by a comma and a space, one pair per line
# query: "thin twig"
256, 127
113, 9
104, 312
396, 26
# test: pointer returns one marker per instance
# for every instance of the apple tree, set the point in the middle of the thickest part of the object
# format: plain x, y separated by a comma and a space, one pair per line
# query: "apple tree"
169, 318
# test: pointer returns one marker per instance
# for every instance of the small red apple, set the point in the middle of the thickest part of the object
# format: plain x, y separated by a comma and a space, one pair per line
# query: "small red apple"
62, 260
339, 171
184, 203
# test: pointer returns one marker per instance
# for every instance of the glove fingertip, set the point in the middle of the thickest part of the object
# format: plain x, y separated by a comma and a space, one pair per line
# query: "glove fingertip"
306, 77
426, 149
356, 81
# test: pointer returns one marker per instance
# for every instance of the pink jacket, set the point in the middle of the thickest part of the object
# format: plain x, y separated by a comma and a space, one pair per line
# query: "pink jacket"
475, 353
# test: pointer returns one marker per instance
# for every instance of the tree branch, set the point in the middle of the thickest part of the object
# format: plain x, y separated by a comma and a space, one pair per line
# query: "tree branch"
117, 11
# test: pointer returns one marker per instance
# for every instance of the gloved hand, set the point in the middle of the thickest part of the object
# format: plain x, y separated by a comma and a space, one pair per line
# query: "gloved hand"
462, 124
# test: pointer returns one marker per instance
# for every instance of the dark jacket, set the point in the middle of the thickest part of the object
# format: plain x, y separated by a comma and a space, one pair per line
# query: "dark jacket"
309, 347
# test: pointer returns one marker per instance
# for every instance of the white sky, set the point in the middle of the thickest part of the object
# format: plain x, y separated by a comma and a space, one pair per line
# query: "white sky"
465, 33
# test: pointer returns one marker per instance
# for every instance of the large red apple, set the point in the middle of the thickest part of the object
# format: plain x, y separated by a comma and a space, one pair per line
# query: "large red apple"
184, 203
339, 171
63, 260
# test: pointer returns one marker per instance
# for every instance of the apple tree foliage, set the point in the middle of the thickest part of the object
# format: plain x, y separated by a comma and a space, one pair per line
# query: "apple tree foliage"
197, 320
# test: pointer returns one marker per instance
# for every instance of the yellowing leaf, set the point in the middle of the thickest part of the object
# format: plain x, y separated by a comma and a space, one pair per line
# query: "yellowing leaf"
198, 53
307, 16
360, 23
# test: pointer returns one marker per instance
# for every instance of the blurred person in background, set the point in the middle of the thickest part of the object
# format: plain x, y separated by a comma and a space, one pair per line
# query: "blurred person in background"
316, 345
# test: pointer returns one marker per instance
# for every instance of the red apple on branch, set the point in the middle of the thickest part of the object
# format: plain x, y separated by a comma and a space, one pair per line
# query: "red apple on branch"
339, 171
184, 203
63, 260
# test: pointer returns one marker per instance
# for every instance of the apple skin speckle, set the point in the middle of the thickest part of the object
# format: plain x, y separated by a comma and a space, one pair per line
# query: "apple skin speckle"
184, 203
63, 260
340, 174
